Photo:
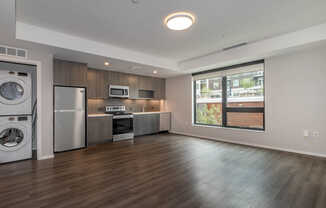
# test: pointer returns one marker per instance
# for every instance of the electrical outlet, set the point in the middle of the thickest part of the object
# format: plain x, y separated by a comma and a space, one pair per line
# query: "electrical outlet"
315, 133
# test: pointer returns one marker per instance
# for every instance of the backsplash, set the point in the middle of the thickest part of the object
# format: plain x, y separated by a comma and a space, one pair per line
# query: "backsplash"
98, 105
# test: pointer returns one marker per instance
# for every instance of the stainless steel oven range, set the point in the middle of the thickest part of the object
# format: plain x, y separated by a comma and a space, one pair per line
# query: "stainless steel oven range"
123, 128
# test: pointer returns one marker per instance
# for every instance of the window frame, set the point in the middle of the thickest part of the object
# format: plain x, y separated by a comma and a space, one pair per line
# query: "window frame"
226, 109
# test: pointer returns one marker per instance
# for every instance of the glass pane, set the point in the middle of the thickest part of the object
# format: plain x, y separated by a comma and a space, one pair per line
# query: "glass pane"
11, 137
209, 101
245, 120
246, 89
116, 91
11, 90
209, 113
121, 126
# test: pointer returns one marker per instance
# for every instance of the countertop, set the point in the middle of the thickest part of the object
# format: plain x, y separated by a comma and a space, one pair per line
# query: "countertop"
154, 112
135, 113
99, 115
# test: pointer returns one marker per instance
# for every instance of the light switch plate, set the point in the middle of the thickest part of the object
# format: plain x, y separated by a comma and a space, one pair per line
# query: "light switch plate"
315, 133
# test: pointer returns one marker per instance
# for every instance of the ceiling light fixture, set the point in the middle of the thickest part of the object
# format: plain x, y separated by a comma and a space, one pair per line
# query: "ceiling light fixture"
154, 72
179, 20
106, 63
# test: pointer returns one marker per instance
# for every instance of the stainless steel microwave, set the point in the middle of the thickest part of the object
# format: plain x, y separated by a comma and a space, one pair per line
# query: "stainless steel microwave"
119, 91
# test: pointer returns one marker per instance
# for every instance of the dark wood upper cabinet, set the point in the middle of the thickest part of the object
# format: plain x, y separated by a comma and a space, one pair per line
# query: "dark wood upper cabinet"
146, 83
133, 86
92, 85
78, 74
69, 73
163, 88
102, 84
123, 79
113, 78
97, 83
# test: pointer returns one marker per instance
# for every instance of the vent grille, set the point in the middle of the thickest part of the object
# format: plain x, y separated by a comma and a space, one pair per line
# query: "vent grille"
10, 51
235, 46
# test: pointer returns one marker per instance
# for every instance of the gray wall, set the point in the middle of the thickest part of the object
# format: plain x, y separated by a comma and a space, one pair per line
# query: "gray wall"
295, 100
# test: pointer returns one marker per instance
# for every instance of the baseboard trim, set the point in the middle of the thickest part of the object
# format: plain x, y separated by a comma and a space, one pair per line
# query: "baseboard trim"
46, 157
253, 145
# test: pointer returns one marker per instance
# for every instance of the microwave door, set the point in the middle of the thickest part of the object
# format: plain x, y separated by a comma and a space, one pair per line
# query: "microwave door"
116, 92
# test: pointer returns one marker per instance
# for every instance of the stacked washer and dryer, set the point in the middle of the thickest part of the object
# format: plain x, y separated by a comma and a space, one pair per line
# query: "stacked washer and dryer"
15, 115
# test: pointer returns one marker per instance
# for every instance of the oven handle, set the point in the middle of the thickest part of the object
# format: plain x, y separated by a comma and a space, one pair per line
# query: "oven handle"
123, 116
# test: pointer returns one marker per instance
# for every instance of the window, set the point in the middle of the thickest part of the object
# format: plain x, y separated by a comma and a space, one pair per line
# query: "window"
235, 83
231, 96
209, 102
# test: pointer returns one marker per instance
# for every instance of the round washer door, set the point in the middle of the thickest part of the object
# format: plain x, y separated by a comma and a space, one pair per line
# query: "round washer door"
12, 137
13, 91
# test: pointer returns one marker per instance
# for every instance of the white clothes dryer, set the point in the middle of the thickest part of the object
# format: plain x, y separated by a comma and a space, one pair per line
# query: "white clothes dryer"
15, 93
15, 138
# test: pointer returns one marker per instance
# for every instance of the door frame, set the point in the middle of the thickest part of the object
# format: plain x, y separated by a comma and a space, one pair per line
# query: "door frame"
39, 121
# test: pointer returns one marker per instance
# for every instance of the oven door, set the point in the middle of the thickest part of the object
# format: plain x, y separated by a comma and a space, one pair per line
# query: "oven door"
122, 126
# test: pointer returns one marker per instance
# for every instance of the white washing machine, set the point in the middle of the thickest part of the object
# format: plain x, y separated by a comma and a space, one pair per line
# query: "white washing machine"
15, 138
15, 93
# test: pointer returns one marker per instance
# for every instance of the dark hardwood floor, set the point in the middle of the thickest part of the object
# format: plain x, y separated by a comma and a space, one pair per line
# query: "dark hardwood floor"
166, 171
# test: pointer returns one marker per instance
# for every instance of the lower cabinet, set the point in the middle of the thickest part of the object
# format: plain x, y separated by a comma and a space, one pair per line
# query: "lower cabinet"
146, 124
99, 130
165, 121
151, 123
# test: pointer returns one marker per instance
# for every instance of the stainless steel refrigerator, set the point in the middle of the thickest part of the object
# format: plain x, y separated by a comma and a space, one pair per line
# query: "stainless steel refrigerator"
69, 118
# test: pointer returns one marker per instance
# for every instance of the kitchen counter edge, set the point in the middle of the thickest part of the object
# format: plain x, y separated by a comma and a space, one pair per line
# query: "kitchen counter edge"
136, 113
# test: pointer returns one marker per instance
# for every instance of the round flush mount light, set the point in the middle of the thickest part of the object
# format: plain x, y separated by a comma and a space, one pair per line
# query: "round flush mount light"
106, 63
179, 20
154, 72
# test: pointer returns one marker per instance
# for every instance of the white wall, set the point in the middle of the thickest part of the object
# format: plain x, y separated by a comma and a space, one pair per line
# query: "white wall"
295, 100
46, 60
38, 53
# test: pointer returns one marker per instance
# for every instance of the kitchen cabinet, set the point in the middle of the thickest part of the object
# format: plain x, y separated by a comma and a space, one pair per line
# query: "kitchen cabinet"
113, 78
123, 79
97, 83
157, 85
92, 87
99, 130
162, 96
133, 86
159, 88
146, 83
146, 124
67, 73
102, 84
165, 121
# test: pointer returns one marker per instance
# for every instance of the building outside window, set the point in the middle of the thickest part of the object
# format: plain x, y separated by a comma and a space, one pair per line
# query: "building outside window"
231, 97
236, 83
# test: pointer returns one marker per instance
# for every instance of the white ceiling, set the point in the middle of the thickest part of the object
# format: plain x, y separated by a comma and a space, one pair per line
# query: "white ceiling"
139, 26
97, 62
7, 37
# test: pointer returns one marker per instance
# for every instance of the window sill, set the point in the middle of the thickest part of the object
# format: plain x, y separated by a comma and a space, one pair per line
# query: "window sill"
229, 128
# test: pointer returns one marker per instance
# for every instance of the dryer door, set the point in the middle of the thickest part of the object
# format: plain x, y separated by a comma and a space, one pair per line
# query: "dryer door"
12, 137
13, 91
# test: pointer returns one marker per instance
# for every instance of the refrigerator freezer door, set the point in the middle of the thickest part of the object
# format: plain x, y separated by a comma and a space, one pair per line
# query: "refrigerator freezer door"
69, 116
68, 98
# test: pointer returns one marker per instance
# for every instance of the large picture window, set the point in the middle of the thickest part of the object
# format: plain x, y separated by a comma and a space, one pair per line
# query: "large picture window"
231, 96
